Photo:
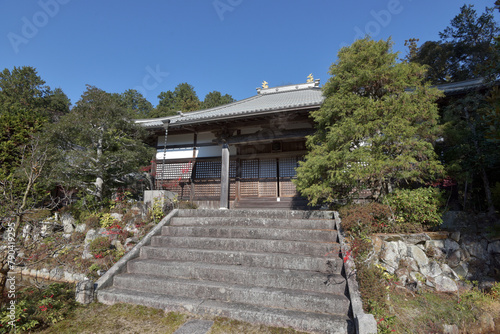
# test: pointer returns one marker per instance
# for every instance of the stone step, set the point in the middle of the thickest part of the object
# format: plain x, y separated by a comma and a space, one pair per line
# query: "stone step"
249, 245
325, 264
235, 293
294, 203
304, 321
283, 214
270, 204
325, 235
254, 222
263, 277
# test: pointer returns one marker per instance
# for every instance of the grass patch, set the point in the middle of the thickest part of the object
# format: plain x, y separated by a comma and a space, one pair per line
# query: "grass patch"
98, 318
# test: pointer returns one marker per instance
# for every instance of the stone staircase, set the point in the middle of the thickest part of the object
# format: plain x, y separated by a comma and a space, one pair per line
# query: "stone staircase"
285, 203
273, 267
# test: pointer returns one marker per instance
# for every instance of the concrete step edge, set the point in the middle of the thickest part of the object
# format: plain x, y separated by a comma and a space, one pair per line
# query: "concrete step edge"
317, 248
273, 213
305, 321
264, 277
299, 300
253, 221
311, 235
252, 259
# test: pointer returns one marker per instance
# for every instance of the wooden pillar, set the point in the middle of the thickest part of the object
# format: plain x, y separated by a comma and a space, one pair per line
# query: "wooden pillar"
165, 125
224, 177
192, 193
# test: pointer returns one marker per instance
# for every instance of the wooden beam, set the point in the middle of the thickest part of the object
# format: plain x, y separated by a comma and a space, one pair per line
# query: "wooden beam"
224, 181
268, 136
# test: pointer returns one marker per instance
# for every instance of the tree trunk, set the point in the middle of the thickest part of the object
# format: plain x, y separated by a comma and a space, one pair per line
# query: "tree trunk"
99, 182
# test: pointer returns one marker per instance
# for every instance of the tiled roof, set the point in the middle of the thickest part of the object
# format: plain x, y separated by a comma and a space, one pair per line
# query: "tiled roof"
311, 97
267, 100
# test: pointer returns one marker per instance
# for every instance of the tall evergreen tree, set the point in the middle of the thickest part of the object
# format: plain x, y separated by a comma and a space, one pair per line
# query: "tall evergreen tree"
372, 132
215, 99
98, 144
136, 104
166, 106
183, 98
465, 47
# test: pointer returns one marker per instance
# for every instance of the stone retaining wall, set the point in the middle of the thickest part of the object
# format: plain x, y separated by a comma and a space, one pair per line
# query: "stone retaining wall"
57, 274
438, 259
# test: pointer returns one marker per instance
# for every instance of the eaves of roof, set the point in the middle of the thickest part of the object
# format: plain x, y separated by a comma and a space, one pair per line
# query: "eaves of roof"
456, 87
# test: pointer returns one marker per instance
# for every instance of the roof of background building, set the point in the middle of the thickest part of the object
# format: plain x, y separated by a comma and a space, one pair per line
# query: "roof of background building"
458, 87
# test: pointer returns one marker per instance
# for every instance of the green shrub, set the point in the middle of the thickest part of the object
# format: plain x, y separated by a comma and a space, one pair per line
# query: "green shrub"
92, 221
156, 213
365, 219
106, 220
100, 247
416, 207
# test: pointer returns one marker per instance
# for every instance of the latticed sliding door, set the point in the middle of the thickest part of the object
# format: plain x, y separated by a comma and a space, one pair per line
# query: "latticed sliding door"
287, 173
258, 178
207, 179
249, 182
268, 185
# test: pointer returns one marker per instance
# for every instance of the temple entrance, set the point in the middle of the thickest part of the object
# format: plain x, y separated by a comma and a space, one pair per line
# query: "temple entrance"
270, 177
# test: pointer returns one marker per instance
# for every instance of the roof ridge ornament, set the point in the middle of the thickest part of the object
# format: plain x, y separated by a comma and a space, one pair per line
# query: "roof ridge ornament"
310, 78
265, 84
287, 88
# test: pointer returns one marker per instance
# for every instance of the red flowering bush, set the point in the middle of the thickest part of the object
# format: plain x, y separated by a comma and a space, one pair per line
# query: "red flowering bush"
100, 246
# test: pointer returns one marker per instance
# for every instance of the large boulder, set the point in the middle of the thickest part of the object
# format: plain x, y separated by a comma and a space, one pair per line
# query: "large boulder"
494, 247
418, 254
454, 258
390, 256
68, 222
451, 246
84, 293
91, 235
477, 248
433, 269
408, 262
445, 284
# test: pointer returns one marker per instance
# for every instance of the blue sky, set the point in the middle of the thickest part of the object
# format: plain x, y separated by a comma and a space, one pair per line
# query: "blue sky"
225, 45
